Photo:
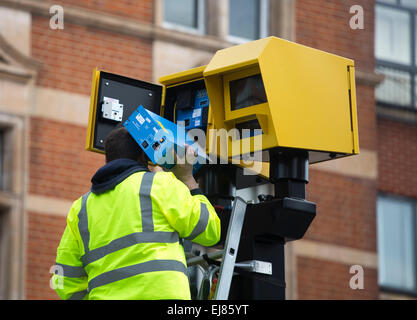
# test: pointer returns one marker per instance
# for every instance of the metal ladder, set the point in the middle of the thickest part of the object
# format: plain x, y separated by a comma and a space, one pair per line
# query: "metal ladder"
229, 253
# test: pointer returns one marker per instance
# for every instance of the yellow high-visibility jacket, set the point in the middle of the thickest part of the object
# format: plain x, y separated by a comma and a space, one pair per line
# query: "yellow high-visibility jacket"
123, 242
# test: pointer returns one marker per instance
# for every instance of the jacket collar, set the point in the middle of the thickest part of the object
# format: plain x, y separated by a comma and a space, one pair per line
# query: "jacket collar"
113, 173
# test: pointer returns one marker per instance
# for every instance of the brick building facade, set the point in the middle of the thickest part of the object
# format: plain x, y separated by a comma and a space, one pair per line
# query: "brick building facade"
45, 79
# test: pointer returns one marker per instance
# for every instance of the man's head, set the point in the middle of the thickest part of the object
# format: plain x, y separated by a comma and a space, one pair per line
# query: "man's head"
119, 144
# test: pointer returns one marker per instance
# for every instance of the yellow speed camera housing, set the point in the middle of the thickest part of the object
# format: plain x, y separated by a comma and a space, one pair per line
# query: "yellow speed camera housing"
301, 98
92, 113
290, 96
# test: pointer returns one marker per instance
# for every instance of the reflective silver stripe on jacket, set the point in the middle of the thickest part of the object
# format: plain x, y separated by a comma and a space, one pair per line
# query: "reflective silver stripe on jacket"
69, 271
146, 202
201, 224
148, 235
127, 241
136, 269
83, 222
78, 295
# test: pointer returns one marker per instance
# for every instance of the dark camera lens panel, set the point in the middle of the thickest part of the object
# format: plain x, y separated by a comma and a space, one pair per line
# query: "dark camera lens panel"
249, 127
247, 92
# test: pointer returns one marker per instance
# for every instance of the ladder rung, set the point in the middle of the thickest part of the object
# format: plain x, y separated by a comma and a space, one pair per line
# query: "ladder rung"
199, 259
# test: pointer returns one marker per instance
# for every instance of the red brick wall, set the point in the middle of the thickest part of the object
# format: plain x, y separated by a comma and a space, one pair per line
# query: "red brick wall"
70, 55
397, 157
346, 206
58, 164
59, 167
367, 125
140, 10
44, 234
345, 210
325, 25
319, 279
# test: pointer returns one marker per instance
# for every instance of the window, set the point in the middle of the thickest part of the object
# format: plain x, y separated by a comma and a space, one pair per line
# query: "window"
395, 52
13, 167
397, 244
4, 245
4, 222
185, 15
248, 20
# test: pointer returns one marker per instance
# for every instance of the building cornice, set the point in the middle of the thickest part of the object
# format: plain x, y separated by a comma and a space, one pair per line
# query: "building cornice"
145, 30
15, 74
369, 78
14, 65
9, 52
113, 23
401, 114
336, 253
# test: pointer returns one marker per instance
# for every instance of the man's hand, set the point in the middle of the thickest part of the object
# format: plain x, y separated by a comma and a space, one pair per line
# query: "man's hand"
183, 169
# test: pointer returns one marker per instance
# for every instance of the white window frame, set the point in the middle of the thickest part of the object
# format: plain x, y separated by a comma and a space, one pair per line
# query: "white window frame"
413, 203
263, 24
201, 20
409, 68
11, 207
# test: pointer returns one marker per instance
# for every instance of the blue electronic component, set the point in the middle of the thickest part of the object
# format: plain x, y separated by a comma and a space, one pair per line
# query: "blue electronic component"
148, 133
157, 136
195, 117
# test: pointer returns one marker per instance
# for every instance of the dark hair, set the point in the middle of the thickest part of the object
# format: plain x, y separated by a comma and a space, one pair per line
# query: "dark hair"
119, 144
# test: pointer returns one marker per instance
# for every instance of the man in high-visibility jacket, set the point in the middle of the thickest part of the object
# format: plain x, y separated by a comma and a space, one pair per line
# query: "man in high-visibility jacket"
123, 238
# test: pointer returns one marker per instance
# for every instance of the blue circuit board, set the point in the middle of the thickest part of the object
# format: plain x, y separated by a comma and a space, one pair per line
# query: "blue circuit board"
194, 117
157, 136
